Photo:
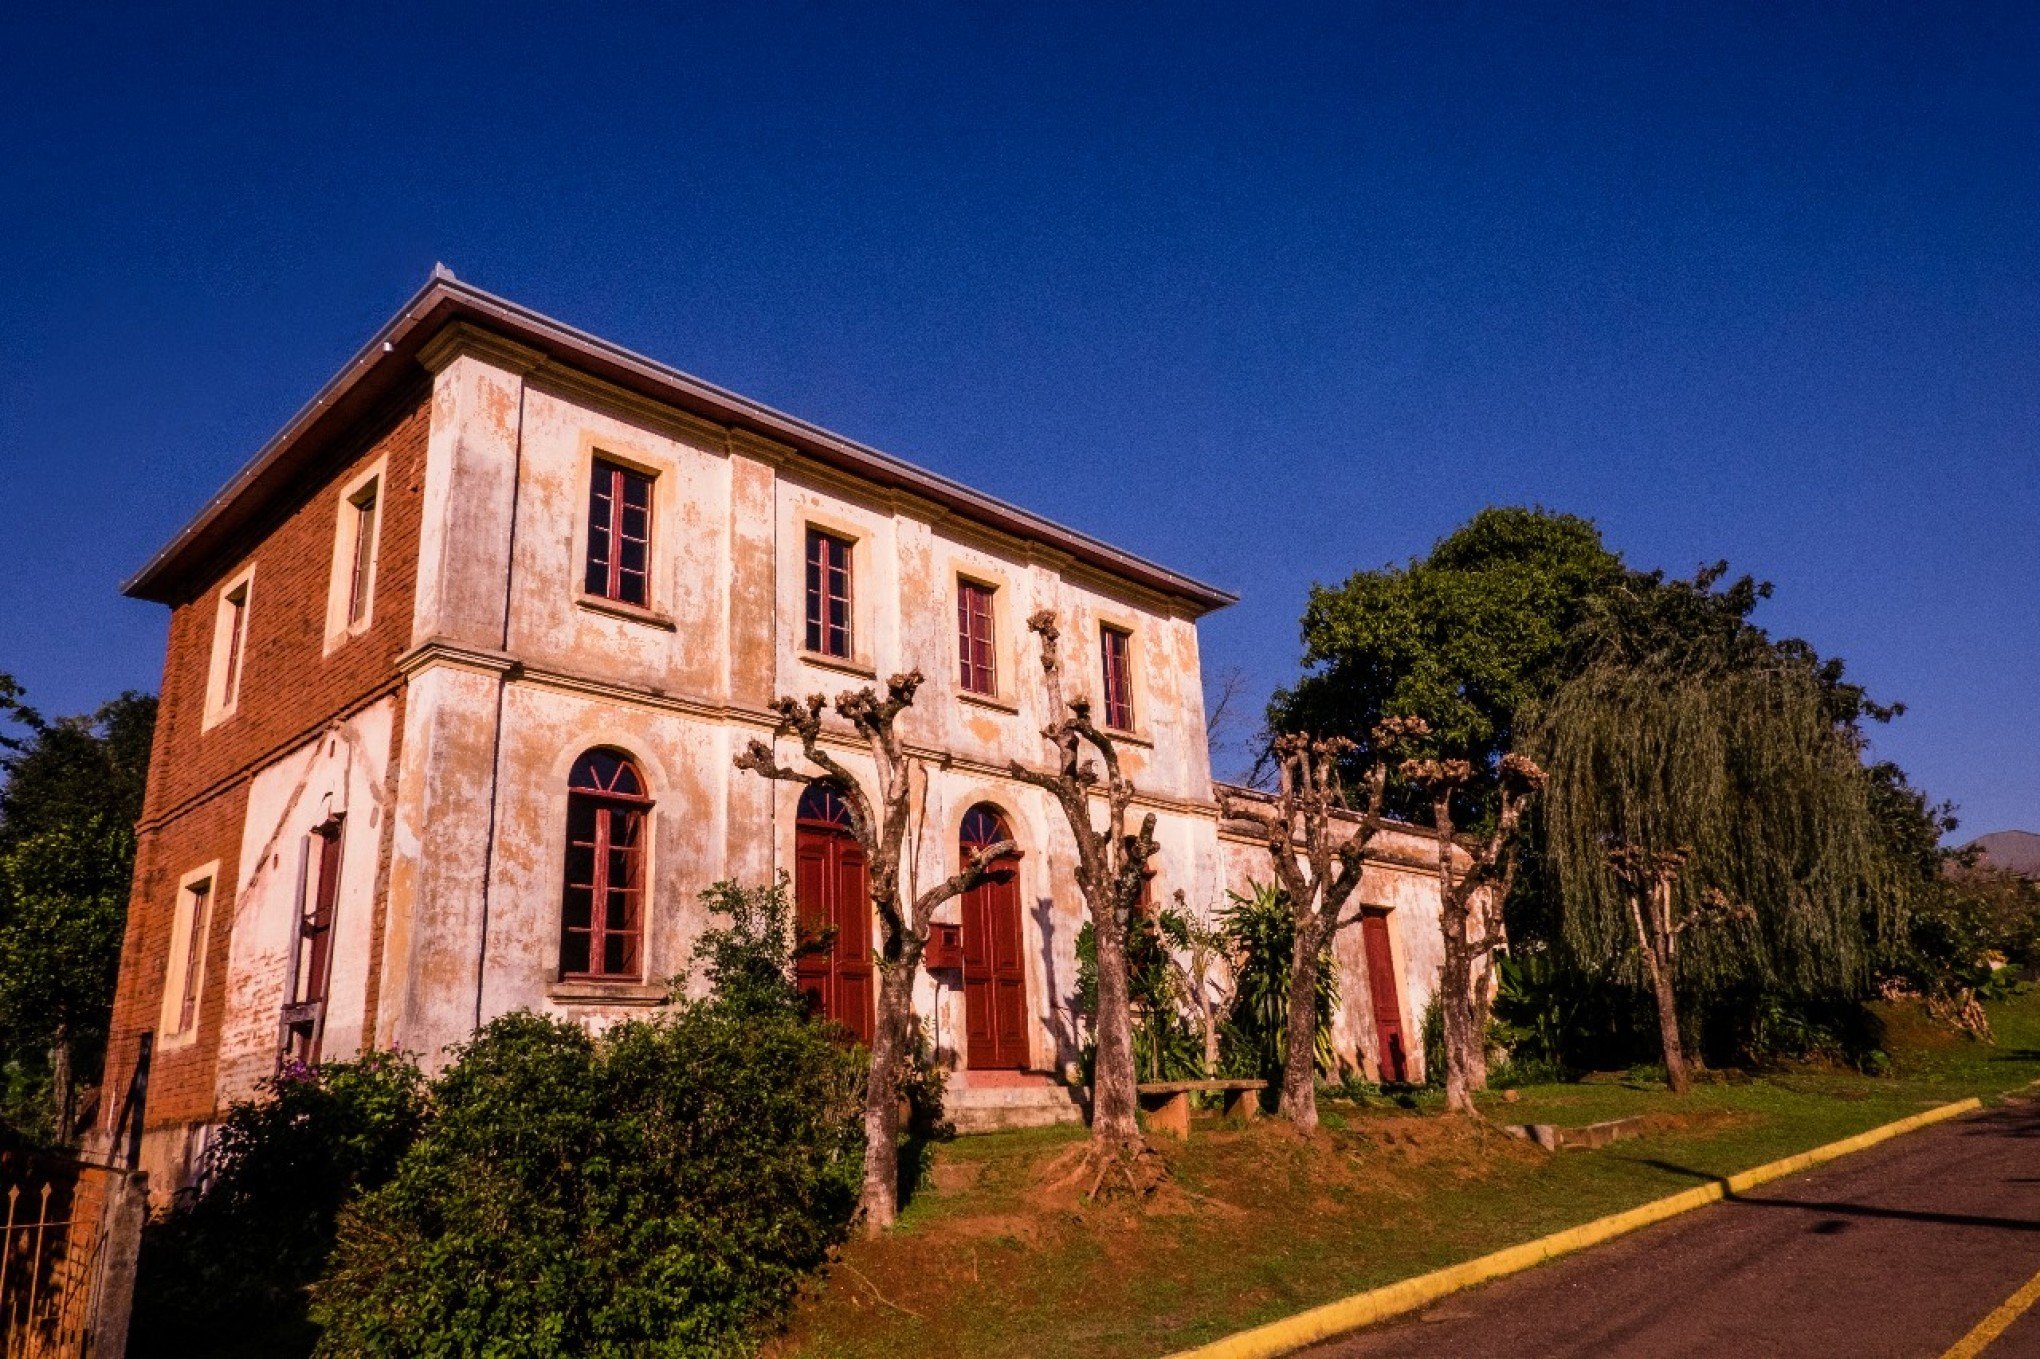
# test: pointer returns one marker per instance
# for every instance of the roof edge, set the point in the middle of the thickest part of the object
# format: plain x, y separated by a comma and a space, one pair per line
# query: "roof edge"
390, 354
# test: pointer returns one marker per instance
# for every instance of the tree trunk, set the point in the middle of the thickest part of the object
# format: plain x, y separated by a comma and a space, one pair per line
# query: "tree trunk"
1659, 968
880, 1198
1668, 1028
1465, 1043
1114, 1101
1299, 1050
62, 1092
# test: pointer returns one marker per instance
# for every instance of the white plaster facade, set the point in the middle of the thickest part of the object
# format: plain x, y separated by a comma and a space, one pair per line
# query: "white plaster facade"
454, 786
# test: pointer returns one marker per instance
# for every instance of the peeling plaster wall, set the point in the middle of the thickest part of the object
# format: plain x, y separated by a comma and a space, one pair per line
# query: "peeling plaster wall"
1400, 880
340, 773
682, 683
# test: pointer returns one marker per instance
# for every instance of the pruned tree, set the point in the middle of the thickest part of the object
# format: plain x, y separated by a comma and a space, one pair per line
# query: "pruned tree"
1470, 904
1657, 919
1318, 867
880, 818
1112, 868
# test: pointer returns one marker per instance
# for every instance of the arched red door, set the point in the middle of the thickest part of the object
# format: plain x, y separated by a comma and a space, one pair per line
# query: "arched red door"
994, 972
830, 893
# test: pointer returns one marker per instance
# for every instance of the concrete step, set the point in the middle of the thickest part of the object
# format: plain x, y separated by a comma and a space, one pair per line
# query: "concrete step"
982, 1102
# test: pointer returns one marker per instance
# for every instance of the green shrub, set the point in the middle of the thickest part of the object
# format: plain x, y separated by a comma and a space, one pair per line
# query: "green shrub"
659, 1190
1254, 1041
227, 1269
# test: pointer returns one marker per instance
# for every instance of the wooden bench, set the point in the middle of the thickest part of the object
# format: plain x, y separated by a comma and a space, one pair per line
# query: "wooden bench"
1167, 1103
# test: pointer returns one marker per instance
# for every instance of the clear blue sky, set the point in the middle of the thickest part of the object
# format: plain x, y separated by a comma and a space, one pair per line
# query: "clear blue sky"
1266, 293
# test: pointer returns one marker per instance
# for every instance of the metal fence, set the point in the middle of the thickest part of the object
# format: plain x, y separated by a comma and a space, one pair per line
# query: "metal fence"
72, 1238
67, 1259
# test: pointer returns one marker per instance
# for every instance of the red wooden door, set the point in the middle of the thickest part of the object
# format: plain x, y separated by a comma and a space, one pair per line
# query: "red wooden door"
830, 892
1387, 997
994, 972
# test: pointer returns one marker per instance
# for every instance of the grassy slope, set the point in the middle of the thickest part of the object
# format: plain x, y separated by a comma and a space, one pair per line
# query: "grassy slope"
995, 1260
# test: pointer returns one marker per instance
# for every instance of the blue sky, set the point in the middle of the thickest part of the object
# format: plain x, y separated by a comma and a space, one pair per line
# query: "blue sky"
1268, 293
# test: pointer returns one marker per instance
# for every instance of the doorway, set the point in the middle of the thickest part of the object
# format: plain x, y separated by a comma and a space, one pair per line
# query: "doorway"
994, 970
1386, 997
832, 901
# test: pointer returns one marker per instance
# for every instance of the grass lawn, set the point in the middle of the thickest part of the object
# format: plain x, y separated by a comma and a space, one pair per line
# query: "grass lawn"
997, 1256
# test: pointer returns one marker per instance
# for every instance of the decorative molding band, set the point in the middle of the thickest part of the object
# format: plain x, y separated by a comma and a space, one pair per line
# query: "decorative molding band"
758, 720
462, 338
440, 651
574, 385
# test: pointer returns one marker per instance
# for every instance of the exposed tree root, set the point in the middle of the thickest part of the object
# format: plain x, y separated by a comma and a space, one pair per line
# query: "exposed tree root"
1125, 1171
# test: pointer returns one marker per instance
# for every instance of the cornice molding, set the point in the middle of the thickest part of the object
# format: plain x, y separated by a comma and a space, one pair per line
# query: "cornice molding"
462, 338
572, 384
458, 655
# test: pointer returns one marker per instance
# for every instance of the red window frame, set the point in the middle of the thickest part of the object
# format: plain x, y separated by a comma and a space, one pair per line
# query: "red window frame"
619, 534
365, 506
602, 902
828, 594
1115, 647
237, 635
304, 1017
194, 953
976, 638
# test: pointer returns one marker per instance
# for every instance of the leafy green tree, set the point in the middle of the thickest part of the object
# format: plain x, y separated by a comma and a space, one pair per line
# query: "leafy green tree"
1468, 637
72, 795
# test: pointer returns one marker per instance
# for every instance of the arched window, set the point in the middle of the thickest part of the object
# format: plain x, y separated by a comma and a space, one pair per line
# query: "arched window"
821, 805
602, 911
983, 825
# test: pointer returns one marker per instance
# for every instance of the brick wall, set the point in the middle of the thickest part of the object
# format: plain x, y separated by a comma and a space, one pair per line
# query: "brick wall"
198, 779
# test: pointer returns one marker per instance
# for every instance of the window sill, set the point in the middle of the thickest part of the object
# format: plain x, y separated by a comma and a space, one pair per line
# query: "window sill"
341, 636
992, 701
842, 664
589, 991
617, 608
1130, 738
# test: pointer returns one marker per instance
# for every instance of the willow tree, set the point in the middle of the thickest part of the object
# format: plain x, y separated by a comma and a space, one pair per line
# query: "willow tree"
1743, 769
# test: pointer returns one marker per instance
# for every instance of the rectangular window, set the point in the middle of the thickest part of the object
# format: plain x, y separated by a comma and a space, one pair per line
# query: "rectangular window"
828, 594
1115, 645
619, 534
229, 649
304, 1013
361, 577
975, 638
184, 966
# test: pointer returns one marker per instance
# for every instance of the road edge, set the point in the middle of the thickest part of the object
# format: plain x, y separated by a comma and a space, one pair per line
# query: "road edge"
1378, 1304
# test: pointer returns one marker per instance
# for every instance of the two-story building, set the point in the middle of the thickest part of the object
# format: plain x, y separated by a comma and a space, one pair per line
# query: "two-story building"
458, 666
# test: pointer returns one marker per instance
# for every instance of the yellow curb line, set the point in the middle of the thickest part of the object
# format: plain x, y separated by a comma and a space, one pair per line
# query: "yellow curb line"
1364, 1309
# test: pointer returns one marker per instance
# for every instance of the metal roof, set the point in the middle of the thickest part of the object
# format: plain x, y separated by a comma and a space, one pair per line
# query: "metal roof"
388, 362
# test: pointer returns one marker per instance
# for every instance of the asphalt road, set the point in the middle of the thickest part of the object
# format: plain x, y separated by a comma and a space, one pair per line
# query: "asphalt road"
1898, 1251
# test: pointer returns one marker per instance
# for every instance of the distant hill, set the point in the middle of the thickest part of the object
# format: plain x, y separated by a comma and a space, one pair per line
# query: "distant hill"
2016, 850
